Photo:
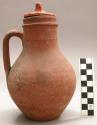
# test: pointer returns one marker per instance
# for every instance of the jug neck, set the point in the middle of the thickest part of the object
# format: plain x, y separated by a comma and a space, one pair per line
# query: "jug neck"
40, 38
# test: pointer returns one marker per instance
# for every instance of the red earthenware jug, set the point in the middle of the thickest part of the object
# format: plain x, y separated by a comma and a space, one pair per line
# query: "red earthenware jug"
41, 82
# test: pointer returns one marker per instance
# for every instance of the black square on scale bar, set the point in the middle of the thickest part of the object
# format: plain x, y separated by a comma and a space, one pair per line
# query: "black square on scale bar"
90, 112
83, 83
89, 78
90, 101
83, 61
89, 66
83, 72
90, 88
84, 94
84, 106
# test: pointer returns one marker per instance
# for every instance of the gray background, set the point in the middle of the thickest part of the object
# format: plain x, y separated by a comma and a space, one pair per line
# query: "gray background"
77, 36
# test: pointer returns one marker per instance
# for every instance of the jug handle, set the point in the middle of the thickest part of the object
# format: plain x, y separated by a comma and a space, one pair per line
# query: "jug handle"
6, 56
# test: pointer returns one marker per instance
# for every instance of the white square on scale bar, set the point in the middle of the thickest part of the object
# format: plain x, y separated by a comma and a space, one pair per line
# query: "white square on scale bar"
90, 95
88, 60
90, 106
84, 112
89, 72
84, 89
83, 66
84, 101
89, 83
83, 77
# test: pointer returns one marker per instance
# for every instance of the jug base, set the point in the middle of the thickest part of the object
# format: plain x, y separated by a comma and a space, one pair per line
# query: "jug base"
42, 119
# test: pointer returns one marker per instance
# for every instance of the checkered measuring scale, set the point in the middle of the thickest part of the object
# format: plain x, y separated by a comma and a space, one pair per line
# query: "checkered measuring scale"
87, 94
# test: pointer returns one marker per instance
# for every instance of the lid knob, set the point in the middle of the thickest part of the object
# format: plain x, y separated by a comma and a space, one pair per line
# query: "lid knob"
39, 7
39, 16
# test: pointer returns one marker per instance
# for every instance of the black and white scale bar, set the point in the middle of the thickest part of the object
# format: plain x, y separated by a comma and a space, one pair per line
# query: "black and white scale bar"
87, 92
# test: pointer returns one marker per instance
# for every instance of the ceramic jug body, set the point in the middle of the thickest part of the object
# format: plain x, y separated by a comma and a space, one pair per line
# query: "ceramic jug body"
41, 82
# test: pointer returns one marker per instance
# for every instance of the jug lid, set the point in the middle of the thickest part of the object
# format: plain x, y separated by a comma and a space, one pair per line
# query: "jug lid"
39, 16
